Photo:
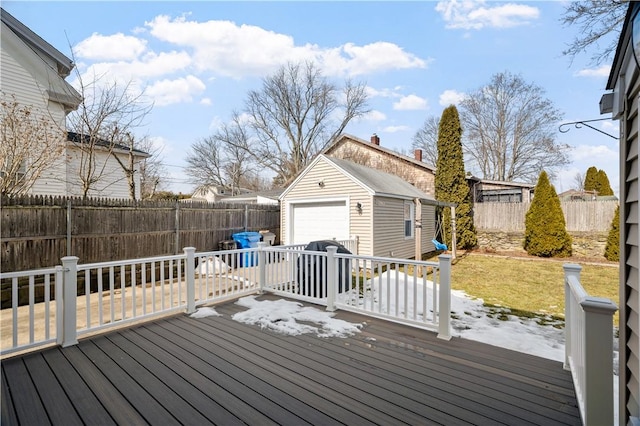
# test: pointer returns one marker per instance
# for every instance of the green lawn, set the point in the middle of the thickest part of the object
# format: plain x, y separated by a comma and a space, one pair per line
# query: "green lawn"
528, 286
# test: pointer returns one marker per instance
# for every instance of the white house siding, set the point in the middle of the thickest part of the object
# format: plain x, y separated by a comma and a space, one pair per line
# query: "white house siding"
27, 77
336, 184
112, 184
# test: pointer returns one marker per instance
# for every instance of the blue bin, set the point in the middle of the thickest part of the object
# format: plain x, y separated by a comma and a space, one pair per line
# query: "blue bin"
247, 240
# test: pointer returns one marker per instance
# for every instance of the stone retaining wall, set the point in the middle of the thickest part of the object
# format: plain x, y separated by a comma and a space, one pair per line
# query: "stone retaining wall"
585, 244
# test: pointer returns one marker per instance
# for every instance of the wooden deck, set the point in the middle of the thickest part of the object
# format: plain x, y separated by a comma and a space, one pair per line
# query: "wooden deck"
214, 370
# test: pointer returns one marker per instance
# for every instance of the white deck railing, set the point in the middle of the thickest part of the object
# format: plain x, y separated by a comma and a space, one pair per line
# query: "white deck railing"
589, 349
90, 298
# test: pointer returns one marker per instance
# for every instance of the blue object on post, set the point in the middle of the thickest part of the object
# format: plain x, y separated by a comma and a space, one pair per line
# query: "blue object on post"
247, 240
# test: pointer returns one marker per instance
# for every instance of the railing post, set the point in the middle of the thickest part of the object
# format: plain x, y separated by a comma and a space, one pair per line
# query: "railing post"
190, 277
262, 265
570, 270
59, 289
331, 278
69, 301
444, 297
598, 362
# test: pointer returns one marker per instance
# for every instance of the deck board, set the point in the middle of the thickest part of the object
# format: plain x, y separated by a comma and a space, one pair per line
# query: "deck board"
214, 370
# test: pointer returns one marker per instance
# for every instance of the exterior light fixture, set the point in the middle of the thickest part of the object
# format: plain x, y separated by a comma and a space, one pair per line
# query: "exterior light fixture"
321, 184
359, 207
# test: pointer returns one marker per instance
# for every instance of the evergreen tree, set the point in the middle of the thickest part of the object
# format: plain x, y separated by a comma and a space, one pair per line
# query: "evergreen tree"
612, 249
450, 182
602, 184
545, 229
591, 179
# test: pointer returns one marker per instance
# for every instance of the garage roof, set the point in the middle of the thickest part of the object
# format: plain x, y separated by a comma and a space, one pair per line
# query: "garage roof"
376, 182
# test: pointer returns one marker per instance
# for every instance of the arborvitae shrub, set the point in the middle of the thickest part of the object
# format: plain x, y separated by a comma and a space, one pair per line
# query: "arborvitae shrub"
545, 229
591, 179
612, 249
450, 182
603, 186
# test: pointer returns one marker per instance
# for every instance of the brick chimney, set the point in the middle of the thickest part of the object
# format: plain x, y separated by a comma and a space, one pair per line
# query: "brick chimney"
418, 154
375, 140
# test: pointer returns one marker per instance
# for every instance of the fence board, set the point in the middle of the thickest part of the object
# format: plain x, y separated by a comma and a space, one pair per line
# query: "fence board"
33, 230
580, 216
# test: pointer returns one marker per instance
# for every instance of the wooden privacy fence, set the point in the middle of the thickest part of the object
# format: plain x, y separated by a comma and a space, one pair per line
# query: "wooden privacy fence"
580, 216
35, 232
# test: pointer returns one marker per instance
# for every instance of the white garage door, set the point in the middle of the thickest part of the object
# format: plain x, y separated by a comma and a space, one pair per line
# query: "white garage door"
320, 221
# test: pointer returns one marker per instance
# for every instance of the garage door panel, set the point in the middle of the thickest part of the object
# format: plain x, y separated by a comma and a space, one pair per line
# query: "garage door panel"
320, 221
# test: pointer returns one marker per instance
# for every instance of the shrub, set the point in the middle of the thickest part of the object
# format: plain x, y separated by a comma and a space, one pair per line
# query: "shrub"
612, 249
450, 182
545, 229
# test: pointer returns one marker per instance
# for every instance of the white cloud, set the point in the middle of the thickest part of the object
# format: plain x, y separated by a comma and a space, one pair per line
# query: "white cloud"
475, 15
383, 93
410, 102
588, 152
602, 71
373, 115
357, 60
395, 129
149, 66
114, 47
240, 50
166, 92
206, 101
450, 97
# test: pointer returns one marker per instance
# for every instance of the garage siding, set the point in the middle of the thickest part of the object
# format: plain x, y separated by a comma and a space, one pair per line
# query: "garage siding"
335, 185
388, 222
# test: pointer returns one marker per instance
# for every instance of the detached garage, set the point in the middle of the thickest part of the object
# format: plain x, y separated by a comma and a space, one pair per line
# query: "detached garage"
338, 199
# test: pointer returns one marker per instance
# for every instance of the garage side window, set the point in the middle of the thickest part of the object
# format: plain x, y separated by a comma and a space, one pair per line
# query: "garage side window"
409, 217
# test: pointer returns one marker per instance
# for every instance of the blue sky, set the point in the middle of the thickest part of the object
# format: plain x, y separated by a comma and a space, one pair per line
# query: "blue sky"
198, 60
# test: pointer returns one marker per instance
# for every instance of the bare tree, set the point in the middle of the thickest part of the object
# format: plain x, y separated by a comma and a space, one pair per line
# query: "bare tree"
598, 21
106, 116
509, 130
151, 169
31, 142
222, 159
578, 181
296, 114
426, 139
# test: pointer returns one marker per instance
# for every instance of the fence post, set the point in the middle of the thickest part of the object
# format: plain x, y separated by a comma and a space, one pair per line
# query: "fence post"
69, 300
262, 265
598, 362
444, 298
331, 278
570, 270
190, 277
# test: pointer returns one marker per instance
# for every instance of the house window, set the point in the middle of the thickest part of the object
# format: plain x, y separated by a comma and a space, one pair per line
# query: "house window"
409, 217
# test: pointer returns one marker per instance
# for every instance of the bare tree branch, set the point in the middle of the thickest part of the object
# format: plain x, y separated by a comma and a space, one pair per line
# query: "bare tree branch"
599, 25
293, 117
509, 130
30, 142
426, 139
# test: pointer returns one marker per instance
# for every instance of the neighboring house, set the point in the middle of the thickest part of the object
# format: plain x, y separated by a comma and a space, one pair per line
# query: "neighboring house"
485, 191
419, 173
582, 195
260, 197
338, 199
371, 154
33, 73
623, 102
209, 193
